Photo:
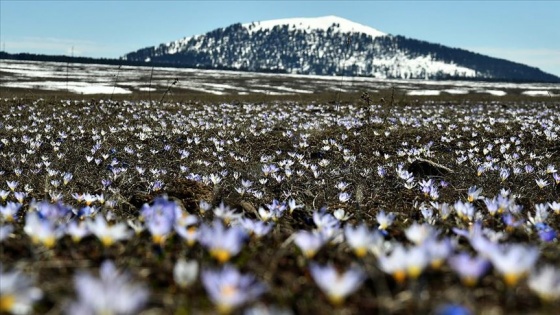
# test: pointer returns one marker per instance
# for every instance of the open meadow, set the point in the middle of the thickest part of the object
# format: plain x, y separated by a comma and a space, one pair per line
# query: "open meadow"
301, 204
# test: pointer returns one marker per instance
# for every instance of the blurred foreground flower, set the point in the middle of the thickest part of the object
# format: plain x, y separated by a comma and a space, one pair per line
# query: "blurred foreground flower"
360, 238
5, 231
41, 231
337, 286
160, 218
546, 283
17, 293
108, 234
9, 211
309, 242
514, 261
452, 309
185, 272
111, 293
394, 263
261, 309
469, 269
221, 242
228, 288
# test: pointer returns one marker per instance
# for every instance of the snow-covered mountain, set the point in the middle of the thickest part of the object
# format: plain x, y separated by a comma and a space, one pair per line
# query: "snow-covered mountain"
330, 45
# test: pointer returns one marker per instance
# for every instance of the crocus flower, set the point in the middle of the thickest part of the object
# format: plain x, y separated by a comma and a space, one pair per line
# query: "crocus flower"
514, 261
4, 194
419, 233
222, 242
276, 209
5, 230
10, 210
438, 251
324, 220
17, 293
337, 286
360, 238
465, 210
341, 215
554, 206
546, 233
20, 196
160, 218
309, 242
541, 182
473, 194
112, 293
188, 233
384, 219
293, 206
108, 234
54, 212
12, 184
88, 199
41, 231
77, 230
344, 197
226, 213
228, 288
256, 228
185, 272
395, 263
469, 269
417, 259
545, 282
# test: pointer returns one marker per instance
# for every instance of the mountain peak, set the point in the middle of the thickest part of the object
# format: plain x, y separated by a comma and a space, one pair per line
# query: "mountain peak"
314, 46
316, 23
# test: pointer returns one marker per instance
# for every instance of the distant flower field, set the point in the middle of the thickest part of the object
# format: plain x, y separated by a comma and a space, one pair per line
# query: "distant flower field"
122, 207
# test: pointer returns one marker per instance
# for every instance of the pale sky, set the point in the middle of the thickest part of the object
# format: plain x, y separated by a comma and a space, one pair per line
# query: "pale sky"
526, 32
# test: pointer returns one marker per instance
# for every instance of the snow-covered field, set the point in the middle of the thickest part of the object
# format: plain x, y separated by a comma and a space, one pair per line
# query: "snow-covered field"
106, 79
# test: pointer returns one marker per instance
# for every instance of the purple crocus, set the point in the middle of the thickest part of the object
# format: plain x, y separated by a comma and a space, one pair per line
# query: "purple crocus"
112, 293
222, 242
469, 269
228, 288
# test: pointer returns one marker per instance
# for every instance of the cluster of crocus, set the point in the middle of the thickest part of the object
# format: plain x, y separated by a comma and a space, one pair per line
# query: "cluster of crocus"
498, 159
274, 212
402, 262
327, 228
160, 218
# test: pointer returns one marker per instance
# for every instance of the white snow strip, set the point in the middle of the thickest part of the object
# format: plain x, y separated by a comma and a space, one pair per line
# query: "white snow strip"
456, 91
493, 92
75, 87
147, 89
36, 74
424, 92
537, 93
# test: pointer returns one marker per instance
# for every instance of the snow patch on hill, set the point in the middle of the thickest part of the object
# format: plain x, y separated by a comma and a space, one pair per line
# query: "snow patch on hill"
317, 23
